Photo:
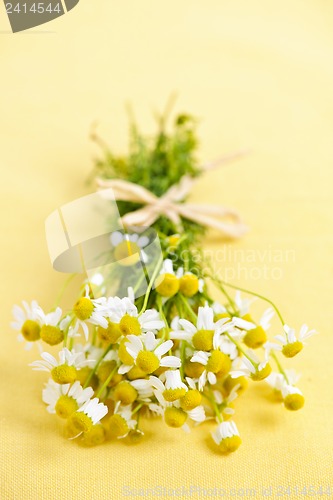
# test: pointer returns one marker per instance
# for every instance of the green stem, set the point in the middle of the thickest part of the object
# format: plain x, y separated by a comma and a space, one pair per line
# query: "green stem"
219, 283
137, 409
241, 349
93, 371
278, 364
215, 407
188, 308
156, 270
259, 296
106, 383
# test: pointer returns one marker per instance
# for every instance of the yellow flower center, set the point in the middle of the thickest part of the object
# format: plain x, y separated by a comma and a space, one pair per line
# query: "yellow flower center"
290, 350
189, 285
83, 374
167, 285
229, 383
65, 406
105, 369
203, 340
230, 444
190, 400
221, 316
147, 361
294, 402
173, 241
125, 393
127, 253
117, 426
129, 325
80, 421
109, 335
135, 373
193, 369
261, 374
124, 356
218, 362
135, 436
95, 436
30, 330
52, 335
174, 417
255, 338
83, 308
248, 317
64, 374
174, 394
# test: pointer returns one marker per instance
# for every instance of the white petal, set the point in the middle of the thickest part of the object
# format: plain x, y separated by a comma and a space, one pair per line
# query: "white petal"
170, 361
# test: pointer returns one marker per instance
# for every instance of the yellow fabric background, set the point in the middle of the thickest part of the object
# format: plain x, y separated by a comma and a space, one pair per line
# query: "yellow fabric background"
259, 74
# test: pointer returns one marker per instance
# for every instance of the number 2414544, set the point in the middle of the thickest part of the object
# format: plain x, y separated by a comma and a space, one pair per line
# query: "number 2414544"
35, 8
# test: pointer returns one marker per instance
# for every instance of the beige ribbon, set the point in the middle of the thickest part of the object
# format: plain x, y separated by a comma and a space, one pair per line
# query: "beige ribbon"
171, 205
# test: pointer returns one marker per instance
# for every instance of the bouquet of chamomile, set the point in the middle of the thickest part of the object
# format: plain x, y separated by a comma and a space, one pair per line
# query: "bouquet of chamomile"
159, 344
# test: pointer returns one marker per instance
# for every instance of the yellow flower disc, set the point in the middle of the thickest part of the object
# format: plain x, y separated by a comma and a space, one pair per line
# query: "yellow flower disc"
109, 335
124, 356
80, 421
65, 406
218, 362
261, 374
255, 338
147, 361
190, 400
229, 383
174, 417
125, 393
52, 335
30, 330
290, 350
167, 285
135, 373
83, 308
105, 369
173, 242
221, 316
193, 369
64, 374
230, 444
203, 340
173, 394
127, 253
129, 325
294, 402
95, 436
117, 426
189, 285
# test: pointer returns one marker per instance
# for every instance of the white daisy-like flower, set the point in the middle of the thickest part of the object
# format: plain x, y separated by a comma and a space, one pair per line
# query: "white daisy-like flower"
94, 410
121, 422
276, 380
206, 334
125, 313
291, 345
173, 388
27, 321
64, 370
148, 353
143, 388
203, 358
226, 436
167, 267
53, 392
200, 283
255, 369
129, 248
93, 311
243, 305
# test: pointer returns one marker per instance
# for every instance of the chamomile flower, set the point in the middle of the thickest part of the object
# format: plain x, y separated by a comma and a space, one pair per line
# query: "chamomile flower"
63, 371
215, 362
173, 388
51, 332
88, 415
27, 321
205, 335
243, 305
189, 283
66, 398
284, 384
256, 337
91, 311
125, 314
226, 436
291, 345
121, 422
148, 353
293, 398
128, 248
255, 369
167, 283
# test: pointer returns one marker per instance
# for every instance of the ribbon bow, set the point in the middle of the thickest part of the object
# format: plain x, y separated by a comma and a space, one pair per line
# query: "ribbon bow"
171, 205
